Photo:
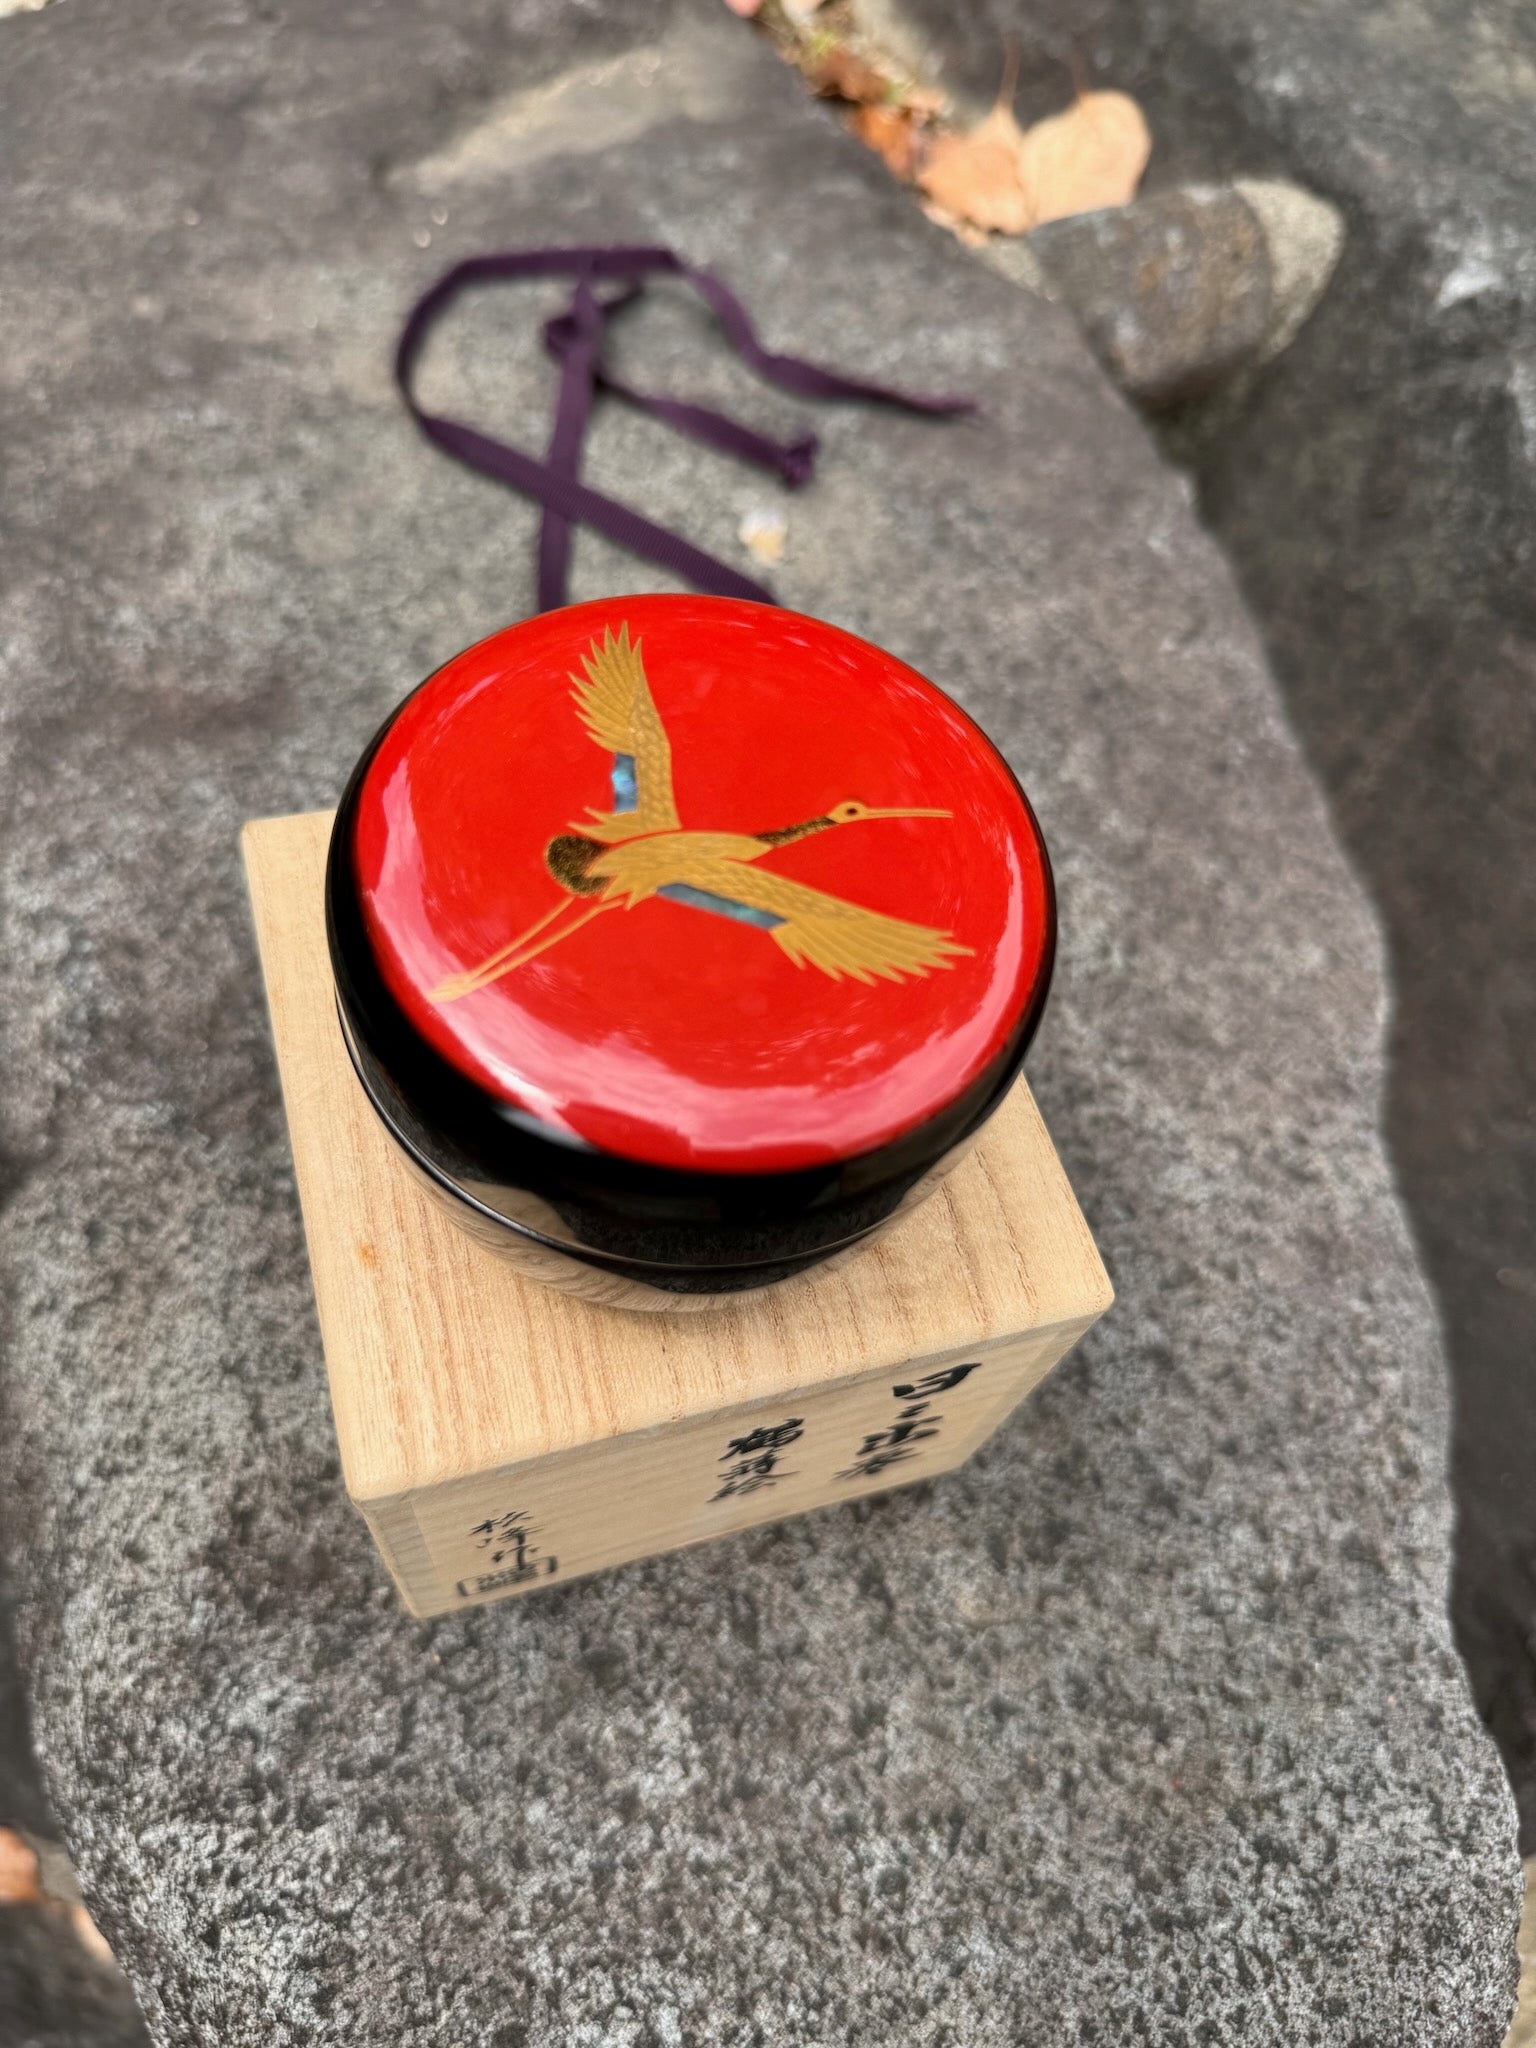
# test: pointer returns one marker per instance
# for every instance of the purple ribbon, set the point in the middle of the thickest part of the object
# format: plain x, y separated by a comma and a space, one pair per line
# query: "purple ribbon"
575, 339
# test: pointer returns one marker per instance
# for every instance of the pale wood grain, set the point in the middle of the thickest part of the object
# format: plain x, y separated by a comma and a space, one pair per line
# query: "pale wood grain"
459, 1385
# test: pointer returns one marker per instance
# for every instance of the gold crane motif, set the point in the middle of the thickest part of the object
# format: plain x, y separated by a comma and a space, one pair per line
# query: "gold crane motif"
614, 860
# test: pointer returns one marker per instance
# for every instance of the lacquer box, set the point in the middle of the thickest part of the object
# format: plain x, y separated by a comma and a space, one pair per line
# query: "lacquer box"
651, 1020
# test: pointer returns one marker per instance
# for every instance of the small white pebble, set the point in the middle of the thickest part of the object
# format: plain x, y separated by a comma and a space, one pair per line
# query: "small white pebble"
764, 534
439, 216
422, 238
191, 217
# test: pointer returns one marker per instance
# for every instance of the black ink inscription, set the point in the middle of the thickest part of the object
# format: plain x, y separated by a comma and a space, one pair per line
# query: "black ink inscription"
914, 1424
753, 1459
515, 1575
508, 1542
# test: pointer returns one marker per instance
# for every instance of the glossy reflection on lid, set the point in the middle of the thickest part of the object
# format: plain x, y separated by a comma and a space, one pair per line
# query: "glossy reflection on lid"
702, 884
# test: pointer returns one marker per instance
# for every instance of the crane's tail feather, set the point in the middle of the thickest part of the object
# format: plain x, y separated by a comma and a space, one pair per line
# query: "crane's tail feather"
519, 951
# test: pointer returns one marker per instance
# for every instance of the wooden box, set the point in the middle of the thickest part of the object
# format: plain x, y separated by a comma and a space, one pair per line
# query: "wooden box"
498, 1436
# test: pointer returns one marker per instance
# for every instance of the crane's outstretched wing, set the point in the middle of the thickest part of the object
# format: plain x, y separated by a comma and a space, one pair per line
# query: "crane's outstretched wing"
616, 707
840, 938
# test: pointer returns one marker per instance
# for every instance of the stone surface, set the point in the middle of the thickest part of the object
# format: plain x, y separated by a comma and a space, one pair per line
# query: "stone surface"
1185, 289
1148, 1725
1172, 292
1522, 2028
53, 1995
1303, 239
1377, 494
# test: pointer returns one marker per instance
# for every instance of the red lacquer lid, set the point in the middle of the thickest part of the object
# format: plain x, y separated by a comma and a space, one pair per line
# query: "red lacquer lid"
701, 884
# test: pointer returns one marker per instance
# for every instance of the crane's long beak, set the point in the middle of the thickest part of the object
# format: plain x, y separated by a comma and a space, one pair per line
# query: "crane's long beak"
908, 814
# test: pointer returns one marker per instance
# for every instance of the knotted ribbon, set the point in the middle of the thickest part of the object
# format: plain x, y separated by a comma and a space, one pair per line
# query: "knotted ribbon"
575, 339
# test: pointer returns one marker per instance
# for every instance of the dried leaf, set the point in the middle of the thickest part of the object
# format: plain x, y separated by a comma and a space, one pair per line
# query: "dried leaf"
889, 133
922, 102
18, 1871
89, 1935
1093, 155
977, 177
838, 74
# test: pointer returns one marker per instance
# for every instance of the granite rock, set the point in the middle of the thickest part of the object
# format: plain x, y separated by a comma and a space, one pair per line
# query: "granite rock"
1183, 289
1376, 493
1148, 1725
53, 1994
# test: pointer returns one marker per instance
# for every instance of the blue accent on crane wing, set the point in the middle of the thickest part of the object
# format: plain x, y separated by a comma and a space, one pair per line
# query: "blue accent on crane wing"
625, 795
722, 906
